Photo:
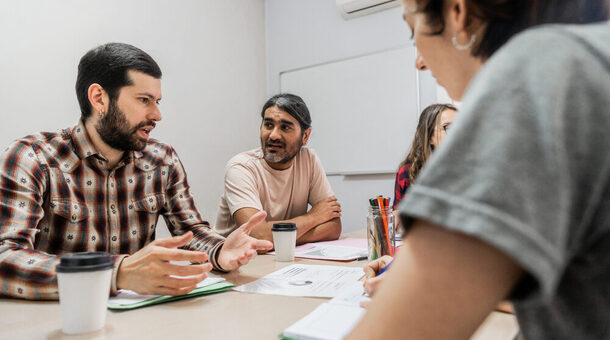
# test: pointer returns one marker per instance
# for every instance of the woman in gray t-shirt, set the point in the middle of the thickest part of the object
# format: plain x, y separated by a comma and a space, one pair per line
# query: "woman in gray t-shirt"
516, 202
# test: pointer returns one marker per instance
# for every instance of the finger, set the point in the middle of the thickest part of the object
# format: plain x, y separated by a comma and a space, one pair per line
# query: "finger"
182, 282
232, 264
180, 255
176, 241
371, 284
243, 260
365, 303
369, 271
178, 270
253, 221
385, 260
173, 291
261, 244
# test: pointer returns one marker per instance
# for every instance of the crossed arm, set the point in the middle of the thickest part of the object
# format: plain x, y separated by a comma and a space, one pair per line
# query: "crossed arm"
321, 223
442, 285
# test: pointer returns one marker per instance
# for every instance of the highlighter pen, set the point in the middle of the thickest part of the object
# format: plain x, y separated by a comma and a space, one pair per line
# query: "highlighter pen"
385, 268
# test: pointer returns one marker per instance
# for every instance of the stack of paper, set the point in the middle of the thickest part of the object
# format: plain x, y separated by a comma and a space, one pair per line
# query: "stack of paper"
347, 249
332, 320
127, 299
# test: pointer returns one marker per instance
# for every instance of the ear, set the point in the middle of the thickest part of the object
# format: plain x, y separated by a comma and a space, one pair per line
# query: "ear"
457, 16
306, 136
98, 98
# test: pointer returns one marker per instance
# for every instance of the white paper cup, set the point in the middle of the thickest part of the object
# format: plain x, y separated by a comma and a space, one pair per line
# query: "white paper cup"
284, 241
84, 285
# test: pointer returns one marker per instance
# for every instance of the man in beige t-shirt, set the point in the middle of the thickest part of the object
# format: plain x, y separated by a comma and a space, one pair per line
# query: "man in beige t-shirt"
281, 177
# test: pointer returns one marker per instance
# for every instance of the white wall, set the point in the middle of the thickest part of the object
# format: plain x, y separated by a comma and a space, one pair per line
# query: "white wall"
304, 33
212, 54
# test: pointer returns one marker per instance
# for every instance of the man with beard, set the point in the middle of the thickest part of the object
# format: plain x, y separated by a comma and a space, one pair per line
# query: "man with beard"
101, 186
281, 178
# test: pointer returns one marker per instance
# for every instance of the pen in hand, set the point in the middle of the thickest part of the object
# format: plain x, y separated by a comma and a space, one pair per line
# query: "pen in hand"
365, 292
385, 268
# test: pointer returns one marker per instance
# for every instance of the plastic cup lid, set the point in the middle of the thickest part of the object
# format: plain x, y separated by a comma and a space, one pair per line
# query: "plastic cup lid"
84, 262
284, 226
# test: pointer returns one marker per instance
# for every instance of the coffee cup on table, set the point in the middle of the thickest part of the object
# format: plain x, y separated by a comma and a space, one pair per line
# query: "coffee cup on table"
284, 240
84, 285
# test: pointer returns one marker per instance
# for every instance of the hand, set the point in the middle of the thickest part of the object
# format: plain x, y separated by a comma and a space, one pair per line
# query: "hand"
149, 271
325, 210
239, 248
370, 270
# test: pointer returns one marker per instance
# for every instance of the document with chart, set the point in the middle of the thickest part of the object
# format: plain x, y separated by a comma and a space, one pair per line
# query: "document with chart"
305, 280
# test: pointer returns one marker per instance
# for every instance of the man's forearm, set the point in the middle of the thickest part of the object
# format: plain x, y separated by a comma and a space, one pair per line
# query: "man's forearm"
327, 231
304, 224
28, 274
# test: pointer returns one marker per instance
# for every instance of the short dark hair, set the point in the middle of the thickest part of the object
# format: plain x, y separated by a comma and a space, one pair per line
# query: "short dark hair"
108, 65
293, 105
505, 18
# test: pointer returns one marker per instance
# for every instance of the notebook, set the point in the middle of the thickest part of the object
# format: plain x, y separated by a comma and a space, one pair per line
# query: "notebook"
332, 320
127, 299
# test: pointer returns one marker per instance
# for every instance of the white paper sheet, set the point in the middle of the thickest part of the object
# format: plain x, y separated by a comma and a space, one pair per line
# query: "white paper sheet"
305, 280
331, 252
332, 320
127, 297
352, 295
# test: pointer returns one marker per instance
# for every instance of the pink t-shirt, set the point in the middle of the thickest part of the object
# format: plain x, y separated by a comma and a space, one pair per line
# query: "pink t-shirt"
284, 194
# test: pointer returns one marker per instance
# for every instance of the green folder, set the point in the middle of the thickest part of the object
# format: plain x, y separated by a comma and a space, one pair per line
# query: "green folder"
213, 288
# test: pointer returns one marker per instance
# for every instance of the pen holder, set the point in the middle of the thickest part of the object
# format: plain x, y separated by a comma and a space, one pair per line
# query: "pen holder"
380, 231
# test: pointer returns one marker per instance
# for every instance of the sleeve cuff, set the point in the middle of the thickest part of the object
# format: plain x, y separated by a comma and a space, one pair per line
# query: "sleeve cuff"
213, 256
115, 271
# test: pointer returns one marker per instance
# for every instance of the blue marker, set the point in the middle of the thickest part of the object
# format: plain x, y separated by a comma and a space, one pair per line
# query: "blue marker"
385, 268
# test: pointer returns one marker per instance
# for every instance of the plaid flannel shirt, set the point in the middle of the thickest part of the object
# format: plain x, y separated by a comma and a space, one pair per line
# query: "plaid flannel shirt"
56, 197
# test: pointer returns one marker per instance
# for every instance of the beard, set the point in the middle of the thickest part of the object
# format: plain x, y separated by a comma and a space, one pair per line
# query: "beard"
114, 129
284, 155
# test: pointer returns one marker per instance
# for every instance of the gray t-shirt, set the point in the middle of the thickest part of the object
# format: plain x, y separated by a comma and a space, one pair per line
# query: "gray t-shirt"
526, 168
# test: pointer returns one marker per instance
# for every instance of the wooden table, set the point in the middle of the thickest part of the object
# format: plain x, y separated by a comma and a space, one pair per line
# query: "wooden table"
226, 315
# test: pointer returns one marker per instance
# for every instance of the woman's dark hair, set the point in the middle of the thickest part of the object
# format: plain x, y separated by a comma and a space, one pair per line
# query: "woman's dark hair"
422, 147
293, 105
505, 18
108, 65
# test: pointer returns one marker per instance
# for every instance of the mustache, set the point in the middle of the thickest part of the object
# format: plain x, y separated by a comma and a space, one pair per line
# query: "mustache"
274, 143
143, 124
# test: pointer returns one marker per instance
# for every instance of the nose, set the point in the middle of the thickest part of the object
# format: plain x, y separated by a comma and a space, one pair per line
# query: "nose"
419, 62
155, 114
275, 134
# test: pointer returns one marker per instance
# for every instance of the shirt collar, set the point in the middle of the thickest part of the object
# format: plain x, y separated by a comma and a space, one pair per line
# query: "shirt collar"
83, 146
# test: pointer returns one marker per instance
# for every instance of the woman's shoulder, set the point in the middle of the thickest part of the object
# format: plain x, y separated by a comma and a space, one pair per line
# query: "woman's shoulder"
405, 168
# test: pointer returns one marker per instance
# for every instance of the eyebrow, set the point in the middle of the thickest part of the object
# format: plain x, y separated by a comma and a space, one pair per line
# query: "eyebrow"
146, 94
285, 121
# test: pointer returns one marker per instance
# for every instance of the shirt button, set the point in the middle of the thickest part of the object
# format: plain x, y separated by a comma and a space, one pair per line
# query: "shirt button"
112, 206
114, 238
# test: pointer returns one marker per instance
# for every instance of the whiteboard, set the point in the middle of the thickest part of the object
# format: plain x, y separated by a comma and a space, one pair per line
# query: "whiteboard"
364, 110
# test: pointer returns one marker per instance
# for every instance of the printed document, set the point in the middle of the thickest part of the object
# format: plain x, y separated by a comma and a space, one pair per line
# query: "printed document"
305, 280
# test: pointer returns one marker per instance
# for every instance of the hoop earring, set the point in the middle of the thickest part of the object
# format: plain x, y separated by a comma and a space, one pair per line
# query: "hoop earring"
101, 114
460, 47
